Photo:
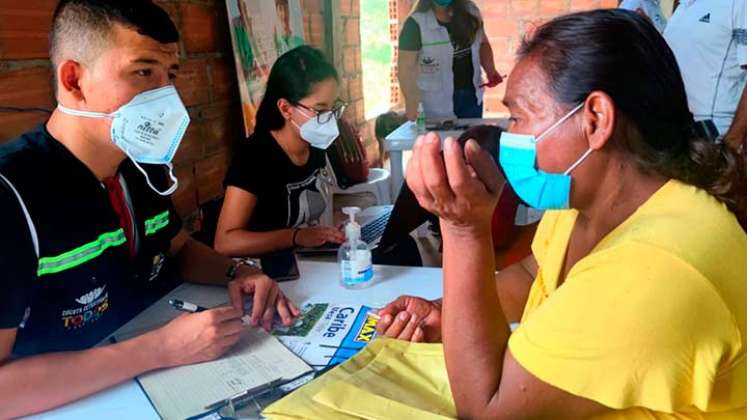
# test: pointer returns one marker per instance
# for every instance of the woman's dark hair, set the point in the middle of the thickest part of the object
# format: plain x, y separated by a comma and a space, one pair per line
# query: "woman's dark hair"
292, 78
488, 136
464, 24
620, 53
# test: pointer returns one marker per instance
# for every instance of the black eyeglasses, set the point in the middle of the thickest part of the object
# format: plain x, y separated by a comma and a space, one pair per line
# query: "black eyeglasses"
324, 117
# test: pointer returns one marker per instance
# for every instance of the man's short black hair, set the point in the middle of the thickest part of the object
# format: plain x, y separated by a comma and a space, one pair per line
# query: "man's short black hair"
80, 28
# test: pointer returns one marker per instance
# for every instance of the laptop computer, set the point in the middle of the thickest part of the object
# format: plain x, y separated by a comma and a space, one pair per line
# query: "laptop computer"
384, 227
373, 221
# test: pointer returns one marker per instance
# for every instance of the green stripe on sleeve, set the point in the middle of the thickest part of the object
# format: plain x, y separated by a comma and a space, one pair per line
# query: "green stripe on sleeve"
82, 254
156, 223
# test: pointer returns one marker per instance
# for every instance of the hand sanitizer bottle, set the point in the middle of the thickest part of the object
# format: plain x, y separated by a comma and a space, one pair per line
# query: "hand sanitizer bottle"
420, 121
354, 256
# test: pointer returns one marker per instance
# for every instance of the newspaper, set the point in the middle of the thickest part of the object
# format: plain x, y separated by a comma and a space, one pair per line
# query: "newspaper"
327, 334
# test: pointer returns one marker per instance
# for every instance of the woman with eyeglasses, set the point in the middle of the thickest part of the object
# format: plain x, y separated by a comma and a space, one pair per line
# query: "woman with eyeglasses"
274, 186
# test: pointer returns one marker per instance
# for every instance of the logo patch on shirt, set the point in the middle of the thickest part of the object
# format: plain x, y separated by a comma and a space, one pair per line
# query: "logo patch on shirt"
95, 303
429, 65
90, 296
706, 18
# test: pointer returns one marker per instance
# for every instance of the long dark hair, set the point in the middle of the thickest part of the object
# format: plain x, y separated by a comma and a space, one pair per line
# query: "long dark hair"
618, 52
488, 136
464, 24
292, 77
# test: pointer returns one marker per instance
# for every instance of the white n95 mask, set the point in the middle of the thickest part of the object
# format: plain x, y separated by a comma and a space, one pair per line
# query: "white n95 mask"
148, 129
319, 135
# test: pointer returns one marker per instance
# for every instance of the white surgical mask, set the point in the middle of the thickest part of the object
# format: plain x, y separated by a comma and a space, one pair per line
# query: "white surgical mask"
148, 129
319, 135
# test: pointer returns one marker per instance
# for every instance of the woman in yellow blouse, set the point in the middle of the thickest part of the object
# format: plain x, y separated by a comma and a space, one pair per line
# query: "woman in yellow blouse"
634, 301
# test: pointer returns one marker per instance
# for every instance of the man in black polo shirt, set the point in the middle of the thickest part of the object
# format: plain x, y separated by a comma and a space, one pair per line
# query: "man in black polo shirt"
88, 235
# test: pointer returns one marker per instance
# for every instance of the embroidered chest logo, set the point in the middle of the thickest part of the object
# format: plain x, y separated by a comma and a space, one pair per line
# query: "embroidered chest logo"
95, 304
90, 296
706, 18
429, 65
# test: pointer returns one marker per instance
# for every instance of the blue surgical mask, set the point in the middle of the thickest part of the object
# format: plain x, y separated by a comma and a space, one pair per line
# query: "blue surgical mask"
538, 189
148, 129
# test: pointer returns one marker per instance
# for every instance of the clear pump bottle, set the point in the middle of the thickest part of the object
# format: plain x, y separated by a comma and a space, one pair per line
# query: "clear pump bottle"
420, 121
354, 256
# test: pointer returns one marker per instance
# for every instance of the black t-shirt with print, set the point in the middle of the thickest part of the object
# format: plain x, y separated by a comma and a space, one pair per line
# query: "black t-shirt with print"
410, 40
287, 195
83, 284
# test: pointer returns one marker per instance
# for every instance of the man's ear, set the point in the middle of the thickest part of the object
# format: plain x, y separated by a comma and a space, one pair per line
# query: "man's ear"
599, 116
69, 73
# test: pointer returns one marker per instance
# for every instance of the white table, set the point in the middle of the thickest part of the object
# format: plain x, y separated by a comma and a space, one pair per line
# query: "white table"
403, 138
319, 281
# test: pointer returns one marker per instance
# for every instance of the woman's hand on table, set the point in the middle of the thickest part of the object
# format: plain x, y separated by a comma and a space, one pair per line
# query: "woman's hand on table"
314, 236
460, 187
411, 318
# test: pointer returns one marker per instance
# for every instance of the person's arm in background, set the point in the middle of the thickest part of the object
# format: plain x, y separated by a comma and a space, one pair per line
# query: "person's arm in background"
234, 240
736, 134
487, 61
738, 130
407, 74
407, 66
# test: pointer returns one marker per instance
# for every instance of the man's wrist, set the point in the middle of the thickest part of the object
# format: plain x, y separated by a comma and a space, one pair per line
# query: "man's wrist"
150, 352
245, 270
240, 268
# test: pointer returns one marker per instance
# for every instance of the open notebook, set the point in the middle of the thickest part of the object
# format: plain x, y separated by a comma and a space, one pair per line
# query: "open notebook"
185, 391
